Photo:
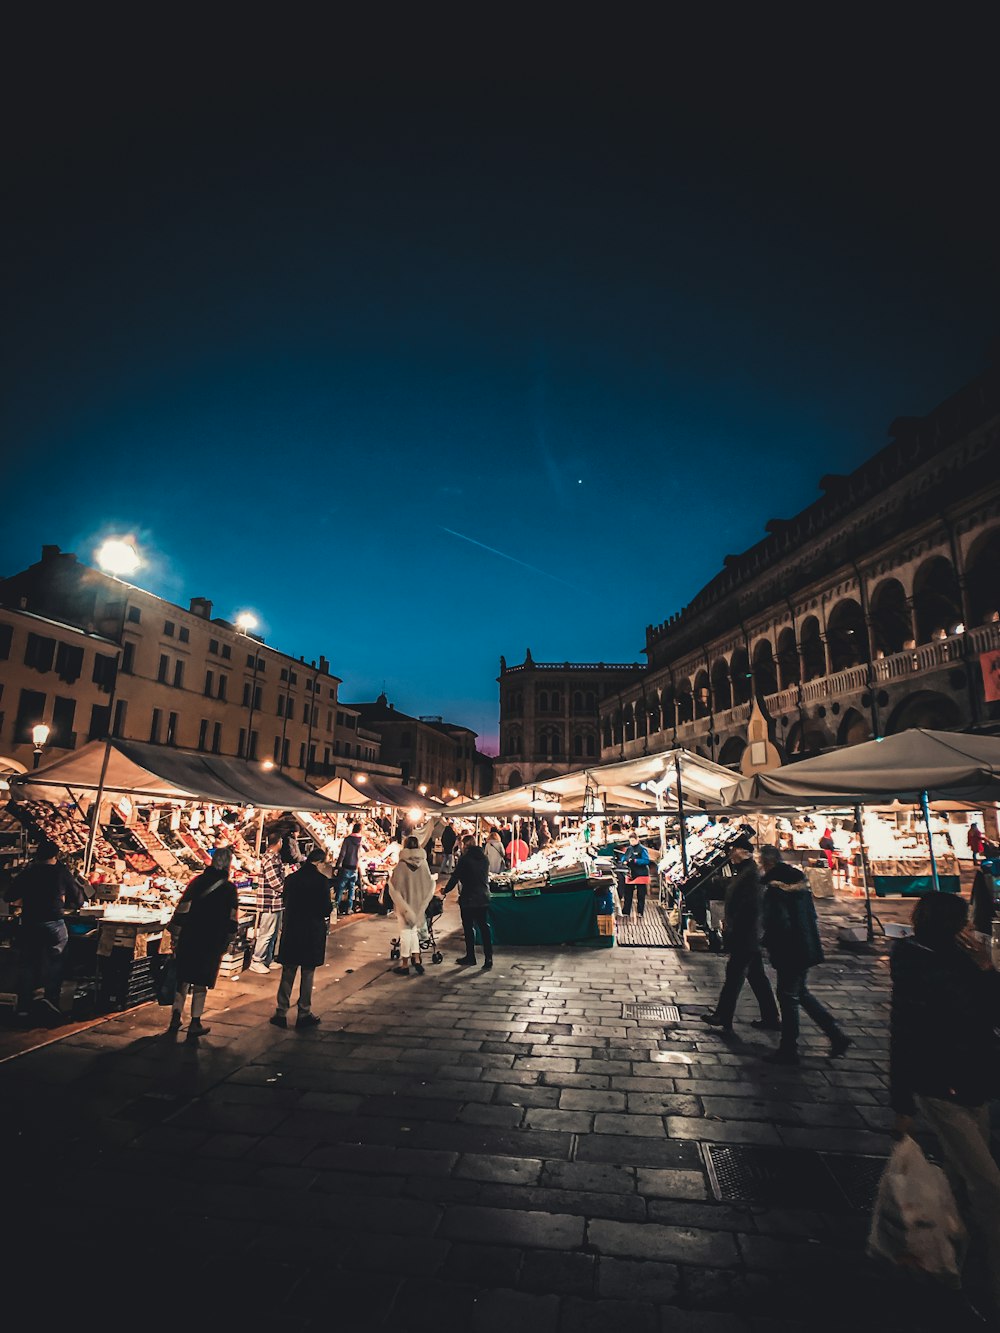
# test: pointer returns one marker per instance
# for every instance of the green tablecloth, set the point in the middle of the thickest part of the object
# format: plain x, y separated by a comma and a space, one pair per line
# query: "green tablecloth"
913, 885
549, 918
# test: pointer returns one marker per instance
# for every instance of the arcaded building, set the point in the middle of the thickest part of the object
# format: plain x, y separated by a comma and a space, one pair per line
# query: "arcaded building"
875, 609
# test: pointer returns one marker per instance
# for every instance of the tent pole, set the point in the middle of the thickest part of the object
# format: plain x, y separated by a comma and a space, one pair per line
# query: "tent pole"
925, 806
88, 854
680, 814
864, 871
260, 834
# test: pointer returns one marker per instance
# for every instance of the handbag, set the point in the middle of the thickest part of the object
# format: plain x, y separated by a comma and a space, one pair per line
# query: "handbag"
166, 981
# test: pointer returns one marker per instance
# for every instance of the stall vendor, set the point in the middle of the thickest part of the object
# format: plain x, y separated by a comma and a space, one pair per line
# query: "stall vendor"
636, 861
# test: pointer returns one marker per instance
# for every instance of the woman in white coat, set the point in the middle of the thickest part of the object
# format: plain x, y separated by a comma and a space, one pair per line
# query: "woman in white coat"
411, 888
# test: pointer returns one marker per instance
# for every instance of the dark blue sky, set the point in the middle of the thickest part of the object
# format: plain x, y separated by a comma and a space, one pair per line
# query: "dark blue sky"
289, 307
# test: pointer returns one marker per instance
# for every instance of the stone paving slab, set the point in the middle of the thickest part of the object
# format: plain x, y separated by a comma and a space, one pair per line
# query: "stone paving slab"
462, 1150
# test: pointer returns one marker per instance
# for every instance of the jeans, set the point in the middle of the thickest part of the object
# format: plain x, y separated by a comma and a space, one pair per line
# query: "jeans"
629, 890
746, 965
268, 926
346, 883
42, 945
793, 993
476, 914
285, 989
964, 1135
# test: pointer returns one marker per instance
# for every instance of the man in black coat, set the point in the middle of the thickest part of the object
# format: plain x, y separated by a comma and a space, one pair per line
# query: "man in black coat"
45, 889
472, 874
307, 907
791, 937
741, 937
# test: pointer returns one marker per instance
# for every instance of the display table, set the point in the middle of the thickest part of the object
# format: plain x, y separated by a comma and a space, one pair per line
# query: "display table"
545, 918
911, 876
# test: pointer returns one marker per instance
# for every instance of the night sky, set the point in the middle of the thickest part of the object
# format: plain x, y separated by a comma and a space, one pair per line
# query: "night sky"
308, 310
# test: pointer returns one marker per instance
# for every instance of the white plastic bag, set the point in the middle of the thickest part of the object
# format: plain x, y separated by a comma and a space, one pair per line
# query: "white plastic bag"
916, 1223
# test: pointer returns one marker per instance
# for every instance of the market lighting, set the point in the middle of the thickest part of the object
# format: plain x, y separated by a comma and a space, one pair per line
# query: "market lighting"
361, 778
39, 735
246, 621
422, 789
414, 813
118, 556
452, 791
267, 765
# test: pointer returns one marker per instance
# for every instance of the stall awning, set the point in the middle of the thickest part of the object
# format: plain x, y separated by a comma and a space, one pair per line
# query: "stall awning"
617, 786
945, 764
160, 772
339, 789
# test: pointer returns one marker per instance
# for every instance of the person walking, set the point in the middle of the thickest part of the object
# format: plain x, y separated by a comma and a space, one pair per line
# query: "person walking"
45, 889
308, 903
472, 874
791, 937
741, 937
975, 840
448, 839
411, 888
495, 854
945, 1006
268, 904
203, 924
346, 871
635, 859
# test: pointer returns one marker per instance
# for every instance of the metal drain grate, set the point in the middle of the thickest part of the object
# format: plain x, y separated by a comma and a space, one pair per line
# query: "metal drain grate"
792, 1178
663, 1013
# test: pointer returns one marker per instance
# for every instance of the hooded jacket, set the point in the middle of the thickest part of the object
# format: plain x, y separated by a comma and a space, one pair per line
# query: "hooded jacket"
941, 1041
791, 932
472, 873
411, 886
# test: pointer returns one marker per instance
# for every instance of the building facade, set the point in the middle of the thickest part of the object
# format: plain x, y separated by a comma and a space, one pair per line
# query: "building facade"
182, 679
875, 609
429, 752
550, 715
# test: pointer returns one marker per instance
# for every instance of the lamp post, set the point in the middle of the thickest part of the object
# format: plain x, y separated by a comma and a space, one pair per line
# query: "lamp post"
39, 735
116, 556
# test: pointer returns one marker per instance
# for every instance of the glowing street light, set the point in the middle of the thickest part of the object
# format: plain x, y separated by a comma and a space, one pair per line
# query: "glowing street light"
246, 621
422, 789
118, 556
39, 735
267, 765
361, 778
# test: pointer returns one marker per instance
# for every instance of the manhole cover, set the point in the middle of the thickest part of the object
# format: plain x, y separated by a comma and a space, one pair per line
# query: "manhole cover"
792, 1177
662, 1013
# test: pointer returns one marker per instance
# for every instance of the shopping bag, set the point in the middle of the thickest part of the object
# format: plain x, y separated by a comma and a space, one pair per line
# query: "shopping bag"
166, 981
916, 1223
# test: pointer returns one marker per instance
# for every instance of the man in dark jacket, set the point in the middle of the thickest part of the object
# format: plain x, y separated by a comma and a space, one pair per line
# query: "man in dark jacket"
942, 1053
346, 870
472, 874
741, 936
307, 907
45, 889
448, 839
791, 937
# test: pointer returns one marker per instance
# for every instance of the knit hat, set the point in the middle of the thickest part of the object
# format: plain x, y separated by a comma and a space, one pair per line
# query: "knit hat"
770, 853
743, 842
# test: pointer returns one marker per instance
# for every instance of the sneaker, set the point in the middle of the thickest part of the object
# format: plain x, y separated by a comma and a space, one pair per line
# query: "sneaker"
306, 1021
839, 1044
465, 962
764, 1026
780, 1057
278, 1021
274, 967
262, 968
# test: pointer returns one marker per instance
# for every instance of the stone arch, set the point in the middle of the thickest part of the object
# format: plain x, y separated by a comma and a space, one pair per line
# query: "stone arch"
655, 716
891, 624
925, 708
514, 778
668, 710
813, 656
808, 737
641, 718
685, 701
543, 701
739, 674
721, 690
854, 727
702, 697
765, 673
607, 733
937, 600
628, 723
546, 775
732, 752
981, 577
845, 635
788, 658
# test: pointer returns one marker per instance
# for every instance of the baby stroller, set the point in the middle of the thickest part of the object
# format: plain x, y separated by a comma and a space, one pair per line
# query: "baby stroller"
427, 941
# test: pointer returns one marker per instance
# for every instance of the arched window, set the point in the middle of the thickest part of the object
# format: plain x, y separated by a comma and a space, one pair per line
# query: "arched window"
732, 752
936, 599
926, 708
577, 744
813, 656
608, 741
628, 723
685, 701
591, 701
891, 626
739, 674
702, 699
543, 701
577, 701
721, 692
591, 746
981, 578
514, 778
788, 658
765, 675
845, 634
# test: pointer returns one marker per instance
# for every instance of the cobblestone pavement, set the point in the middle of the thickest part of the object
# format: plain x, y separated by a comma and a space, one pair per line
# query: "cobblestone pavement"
462, 1150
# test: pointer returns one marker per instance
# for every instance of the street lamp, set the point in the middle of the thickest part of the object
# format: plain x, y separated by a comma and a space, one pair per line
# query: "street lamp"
267, 765
39, 735
118, 556
246, 621
422, 789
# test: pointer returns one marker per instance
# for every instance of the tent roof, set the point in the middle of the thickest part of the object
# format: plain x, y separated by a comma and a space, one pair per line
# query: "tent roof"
339, 789
616, 785
945, 764
159, 772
